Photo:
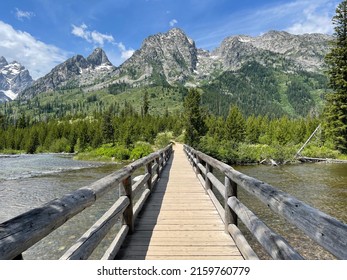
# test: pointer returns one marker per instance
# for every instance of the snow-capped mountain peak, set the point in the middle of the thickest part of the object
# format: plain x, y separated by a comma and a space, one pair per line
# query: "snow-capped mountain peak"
14, 78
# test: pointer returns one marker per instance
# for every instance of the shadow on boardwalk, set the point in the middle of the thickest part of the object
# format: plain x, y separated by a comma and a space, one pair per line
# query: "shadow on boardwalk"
136, 245
179, 221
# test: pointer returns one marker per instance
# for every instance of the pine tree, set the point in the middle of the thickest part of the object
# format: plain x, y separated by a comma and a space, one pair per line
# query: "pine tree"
32, 142
235, 125
2, 121
336, 108
145, 106
107, 126
194, 122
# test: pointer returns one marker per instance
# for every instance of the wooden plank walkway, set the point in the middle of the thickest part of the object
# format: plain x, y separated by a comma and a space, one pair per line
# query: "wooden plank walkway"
179, 221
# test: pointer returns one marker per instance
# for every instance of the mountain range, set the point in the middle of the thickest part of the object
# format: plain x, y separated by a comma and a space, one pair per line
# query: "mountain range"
284, 69
174, 57
14, 78
74, 72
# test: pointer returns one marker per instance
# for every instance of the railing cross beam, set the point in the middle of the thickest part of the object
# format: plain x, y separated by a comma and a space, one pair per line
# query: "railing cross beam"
322, 228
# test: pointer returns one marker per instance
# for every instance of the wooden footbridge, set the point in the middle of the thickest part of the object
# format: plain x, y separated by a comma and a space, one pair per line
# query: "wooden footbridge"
179, 221
177, 209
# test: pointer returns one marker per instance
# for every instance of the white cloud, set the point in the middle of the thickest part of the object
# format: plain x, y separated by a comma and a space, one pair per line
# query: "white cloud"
20, 15
125, 54
315, 18
294, 16
173, 22
300, 16
94, 37
39, 58
80, 31
100, 39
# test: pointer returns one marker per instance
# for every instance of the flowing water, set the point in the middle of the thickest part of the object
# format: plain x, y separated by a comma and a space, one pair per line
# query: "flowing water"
321, 185
28, 181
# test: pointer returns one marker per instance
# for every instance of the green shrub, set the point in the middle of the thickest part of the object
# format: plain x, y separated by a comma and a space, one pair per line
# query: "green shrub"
106, 152
282, 154
61, 145
140, 150
163, 139
248, 153
320, 152
121, 153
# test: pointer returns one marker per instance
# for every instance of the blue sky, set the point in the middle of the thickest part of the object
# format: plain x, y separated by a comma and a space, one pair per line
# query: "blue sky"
43, 33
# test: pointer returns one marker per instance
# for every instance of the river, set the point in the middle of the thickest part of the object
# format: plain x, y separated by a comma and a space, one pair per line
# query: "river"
28, 181
321, 185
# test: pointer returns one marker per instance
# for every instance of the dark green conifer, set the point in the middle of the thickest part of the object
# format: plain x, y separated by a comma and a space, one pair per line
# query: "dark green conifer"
194, 122
235, 125
336, 108
145, 106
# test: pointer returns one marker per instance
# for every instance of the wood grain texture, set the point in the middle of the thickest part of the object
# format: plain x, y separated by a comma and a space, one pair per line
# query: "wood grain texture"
22, 232
85, 245
179, 221
325, 230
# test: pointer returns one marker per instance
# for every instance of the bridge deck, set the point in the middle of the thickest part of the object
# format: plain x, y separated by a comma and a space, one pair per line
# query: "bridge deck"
179, 221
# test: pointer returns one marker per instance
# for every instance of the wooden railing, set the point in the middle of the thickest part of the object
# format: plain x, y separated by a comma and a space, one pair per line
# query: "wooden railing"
22, 232
327, 231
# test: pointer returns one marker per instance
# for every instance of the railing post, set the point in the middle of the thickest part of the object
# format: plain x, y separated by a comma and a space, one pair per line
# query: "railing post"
165, 157
196, 162
230, 190
191, 157
128, 212
149, 171
161, 159
157, 160
208, 184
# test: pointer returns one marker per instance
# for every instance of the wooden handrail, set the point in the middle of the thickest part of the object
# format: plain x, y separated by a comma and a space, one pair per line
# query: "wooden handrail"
20, 233
85, 245
322, 228
277, 247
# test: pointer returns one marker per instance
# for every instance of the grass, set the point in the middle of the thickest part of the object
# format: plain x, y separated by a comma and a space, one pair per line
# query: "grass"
12, 152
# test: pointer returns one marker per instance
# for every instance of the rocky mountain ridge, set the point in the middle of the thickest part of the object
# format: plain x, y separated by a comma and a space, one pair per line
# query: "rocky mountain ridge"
305, 51
74, 72
172, 58
14, 78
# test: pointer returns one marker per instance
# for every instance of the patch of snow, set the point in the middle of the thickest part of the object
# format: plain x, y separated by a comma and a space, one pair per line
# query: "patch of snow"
104, 67
10, 94
191, 85
244, 39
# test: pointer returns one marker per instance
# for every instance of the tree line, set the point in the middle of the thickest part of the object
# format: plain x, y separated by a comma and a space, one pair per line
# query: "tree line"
235, 138
240, 139
78, 134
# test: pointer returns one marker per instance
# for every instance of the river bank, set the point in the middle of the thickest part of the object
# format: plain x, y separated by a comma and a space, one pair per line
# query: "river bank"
275, 154
230, 153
